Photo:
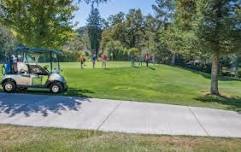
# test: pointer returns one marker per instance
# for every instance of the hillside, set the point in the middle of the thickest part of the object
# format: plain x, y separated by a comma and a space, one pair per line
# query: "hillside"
159, 84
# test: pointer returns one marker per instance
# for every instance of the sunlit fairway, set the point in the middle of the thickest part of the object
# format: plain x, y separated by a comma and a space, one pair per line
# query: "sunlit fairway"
156, 84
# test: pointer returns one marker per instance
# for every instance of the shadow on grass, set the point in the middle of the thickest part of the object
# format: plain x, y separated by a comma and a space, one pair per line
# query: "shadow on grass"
233, 104
136, 67
139, 67
79, 92
208, 76
152, 68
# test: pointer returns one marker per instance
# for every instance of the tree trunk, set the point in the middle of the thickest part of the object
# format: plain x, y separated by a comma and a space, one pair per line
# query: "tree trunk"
236, 66
214, 74
173, 62
236, 72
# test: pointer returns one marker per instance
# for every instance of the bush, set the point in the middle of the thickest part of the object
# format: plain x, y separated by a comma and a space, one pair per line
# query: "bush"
70, 56
239, 74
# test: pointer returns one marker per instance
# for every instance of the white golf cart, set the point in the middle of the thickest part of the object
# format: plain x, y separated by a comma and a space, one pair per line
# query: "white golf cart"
33, 68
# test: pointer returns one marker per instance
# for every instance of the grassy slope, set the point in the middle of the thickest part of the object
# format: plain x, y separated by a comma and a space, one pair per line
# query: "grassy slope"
62, 140
159, 84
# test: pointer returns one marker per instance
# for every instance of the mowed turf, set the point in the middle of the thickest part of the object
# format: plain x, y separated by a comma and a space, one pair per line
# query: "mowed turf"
27, 139
157, 84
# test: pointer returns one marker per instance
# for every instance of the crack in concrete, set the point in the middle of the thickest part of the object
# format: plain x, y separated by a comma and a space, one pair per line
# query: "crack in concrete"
200, 124
108, 116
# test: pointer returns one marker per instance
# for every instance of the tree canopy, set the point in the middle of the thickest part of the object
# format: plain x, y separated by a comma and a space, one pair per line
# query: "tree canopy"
210, 26
7, 41
39, 23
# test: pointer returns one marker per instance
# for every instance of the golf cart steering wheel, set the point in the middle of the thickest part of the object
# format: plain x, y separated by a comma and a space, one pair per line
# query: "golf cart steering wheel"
46, 68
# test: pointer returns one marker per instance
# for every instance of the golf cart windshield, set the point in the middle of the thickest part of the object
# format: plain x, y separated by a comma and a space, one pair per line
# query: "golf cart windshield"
39, 56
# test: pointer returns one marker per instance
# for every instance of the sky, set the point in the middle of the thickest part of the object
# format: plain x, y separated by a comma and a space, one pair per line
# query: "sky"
113, 7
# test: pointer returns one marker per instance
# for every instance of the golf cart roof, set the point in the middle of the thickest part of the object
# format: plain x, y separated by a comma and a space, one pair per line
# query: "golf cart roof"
37, 50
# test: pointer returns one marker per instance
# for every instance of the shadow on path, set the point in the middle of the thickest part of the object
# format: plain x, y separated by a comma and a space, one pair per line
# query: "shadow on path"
14, 104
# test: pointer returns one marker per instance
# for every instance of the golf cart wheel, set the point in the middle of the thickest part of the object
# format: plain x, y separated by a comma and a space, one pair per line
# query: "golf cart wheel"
56, 88
9, 86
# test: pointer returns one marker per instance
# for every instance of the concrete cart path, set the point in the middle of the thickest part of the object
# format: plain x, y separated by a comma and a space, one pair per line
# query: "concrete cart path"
117, 116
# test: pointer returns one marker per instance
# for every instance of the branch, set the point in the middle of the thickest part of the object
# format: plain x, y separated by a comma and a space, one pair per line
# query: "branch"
93, 1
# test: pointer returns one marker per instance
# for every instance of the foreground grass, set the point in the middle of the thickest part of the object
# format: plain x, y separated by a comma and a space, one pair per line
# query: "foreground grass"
158, 84
62, 140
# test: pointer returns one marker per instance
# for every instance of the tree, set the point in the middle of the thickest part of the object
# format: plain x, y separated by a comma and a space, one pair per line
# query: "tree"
115, 49
93, 1
75, 44
185, 11
133, 54
152, 37
134, 29
172, 39
212, 27
115, 31
165, 18
116, 19
39, 23
82, 33
218, 30
151, 33
107, 36
7, 42
164, 10
94, 29
129, 29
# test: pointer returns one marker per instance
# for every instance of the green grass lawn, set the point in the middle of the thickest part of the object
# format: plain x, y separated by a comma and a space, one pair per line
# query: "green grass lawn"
26, 139
158, 84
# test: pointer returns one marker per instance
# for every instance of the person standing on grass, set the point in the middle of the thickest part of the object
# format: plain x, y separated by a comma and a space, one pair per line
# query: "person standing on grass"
111, 56
153, 59
82, 61
147, 59
104, 59
94, 58
132, 60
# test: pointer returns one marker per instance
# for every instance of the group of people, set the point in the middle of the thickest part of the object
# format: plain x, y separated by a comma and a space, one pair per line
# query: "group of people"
147, 58
103, 58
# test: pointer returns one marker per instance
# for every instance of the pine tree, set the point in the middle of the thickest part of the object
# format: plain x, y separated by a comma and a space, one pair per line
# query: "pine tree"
214, 26
164, 11
93, 1
170, 35
94, 29
134, 26
218, 31
184, 14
